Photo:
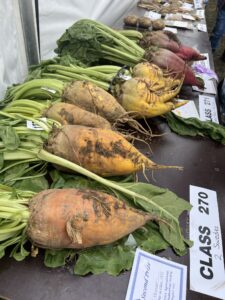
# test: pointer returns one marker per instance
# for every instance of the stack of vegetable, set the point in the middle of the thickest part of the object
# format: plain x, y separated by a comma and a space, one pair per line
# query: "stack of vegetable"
89, 41
62, 119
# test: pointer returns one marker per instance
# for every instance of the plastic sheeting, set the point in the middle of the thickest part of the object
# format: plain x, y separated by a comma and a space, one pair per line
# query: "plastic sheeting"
56, 15
13, 63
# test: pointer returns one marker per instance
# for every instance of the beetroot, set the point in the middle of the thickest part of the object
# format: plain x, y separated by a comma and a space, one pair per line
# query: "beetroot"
159, 39
188, 53
168, 40
173, 65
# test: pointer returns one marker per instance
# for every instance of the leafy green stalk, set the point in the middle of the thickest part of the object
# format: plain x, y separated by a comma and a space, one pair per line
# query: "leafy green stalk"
89, 40
194, 127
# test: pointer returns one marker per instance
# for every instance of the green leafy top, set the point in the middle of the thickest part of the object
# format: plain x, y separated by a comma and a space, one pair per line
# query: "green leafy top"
194, 127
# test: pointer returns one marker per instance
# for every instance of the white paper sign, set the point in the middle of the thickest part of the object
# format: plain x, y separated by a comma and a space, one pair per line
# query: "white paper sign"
208, 108
154, 278
152, 15
174, 30
187, 6
187, 111
198, 4
200, 13
209, 88
179, 24
202, 27
35, 126
188, 17
207, 273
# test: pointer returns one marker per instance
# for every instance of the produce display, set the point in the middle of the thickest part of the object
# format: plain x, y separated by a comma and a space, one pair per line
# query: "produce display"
68, 161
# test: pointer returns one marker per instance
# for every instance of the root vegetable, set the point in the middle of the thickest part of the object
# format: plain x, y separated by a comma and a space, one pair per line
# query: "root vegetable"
168, 41
136, 95
131, 20
66, 113
155, 75
94, 99
144, 22
189, 54
72, 218
158, 24
101, 151
159, 39
174, 65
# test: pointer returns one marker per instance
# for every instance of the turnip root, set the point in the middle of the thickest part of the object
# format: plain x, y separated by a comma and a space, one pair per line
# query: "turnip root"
72, 218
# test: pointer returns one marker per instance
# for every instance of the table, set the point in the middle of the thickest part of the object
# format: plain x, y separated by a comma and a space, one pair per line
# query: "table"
204, 165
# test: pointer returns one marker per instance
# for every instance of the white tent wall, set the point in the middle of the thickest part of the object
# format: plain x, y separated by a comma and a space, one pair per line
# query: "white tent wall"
13, 62
57, 15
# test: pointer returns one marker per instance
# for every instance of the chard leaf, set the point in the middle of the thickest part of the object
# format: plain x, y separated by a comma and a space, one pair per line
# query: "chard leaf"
9, 137
32, 184
149, 238
194, 127
83, 41
57, 258
110, 259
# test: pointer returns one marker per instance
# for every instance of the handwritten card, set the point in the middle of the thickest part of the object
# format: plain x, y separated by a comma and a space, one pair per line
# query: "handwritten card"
153, 277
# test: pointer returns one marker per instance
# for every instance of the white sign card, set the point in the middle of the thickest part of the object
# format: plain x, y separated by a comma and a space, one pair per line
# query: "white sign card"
174, 30
152, 15
209, 88
34, 126
179, 24
187, 6
208, 108
198, 4
154, 278
202, 27
200, 13
187, 111
207, 273
188, 17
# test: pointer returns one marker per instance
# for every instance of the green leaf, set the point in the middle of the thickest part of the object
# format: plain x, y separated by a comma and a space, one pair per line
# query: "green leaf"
149, 238
9, 137
1, 160
32, 184
110, 259
57, 258
19, 252
194, 127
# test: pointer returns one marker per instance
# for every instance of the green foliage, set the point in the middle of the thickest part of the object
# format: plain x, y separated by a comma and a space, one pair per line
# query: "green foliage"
195, 127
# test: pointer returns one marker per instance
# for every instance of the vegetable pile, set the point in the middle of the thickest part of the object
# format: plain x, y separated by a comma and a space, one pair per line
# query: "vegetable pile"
67, 161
